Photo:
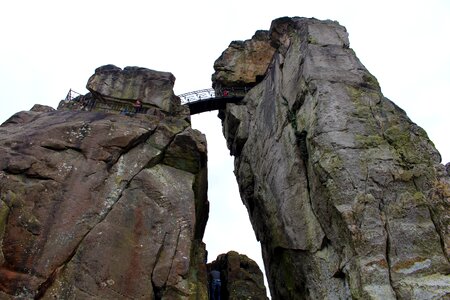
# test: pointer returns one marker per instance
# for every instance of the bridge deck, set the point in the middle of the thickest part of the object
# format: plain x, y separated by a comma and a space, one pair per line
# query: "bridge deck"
210, 104
212, 99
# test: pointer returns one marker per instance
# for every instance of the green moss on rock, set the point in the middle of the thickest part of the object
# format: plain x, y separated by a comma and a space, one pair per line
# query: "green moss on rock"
401, 139
362, 112
370, 81
419, 198
331, 162
403, 175
369, 141
397, 136
4, 212
312, 40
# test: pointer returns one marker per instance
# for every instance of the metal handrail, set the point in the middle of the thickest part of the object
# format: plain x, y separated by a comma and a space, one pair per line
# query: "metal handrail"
212, 93
70, 95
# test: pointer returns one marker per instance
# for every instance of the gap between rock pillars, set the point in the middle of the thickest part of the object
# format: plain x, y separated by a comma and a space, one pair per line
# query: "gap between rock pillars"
228, 226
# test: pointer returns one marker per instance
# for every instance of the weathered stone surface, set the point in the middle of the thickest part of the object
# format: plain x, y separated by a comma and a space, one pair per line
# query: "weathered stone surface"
89, 208
346, 194
244, 63
152, 87
241, 277
42, 108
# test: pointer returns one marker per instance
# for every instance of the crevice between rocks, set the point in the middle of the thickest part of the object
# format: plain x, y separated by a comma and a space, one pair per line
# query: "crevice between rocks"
139, 139
439, 233
62, 148
388, 246
50, 279
86, 292
150, 163
301, 143
304, 153
434, 218
156, 289
41, 290
2, 232
174, 255
164, 149
24, 174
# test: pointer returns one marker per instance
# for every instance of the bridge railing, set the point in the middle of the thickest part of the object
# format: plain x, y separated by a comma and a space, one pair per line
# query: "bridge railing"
197, 95
77, 101
72, 95
213, 93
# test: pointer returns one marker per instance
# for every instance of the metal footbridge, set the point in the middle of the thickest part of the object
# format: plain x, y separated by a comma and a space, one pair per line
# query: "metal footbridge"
197, 101
212, 99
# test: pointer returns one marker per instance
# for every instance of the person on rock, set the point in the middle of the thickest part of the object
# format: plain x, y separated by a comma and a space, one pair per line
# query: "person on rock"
215, 284
225, 93
137, 106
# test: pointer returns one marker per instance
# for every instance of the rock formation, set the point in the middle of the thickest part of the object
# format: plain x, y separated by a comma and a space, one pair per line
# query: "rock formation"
350, 199
131, 83
347, 195
98, 205
241, 277
244, 63
113, 89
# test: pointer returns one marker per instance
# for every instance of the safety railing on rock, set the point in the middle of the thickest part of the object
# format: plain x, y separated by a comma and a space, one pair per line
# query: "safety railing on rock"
72, 95
77, 101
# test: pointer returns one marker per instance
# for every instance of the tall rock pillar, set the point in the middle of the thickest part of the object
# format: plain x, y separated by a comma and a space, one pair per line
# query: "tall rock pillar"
345, 193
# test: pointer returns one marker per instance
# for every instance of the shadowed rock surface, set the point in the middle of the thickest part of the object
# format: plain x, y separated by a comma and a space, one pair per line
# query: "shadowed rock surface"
241, 277
102, 206
346, 194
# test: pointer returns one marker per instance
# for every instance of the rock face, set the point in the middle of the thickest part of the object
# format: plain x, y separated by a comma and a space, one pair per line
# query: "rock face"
152, 87
241, 277
350, 199
244, 63
103, 206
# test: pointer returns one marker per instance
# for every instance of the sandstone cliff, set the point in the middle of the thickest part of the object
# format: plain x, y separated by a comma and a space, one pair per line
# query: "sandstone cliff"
346, 194
98, 205
244, 63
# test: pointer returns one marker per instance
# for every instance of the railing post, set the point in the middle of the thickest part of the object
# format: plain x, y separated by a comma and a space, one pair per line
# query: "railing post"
68, 95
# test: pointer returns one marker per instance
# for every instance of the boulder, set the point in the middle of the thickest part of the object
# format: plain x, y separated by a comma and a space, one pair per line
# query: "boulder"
243, 63
42, 108
241, 277
345, 193
111, 83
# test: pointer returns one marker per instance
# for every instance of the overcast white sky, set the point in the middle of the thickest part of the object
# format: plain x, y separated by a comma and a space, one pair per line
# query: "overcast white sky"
48, 47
